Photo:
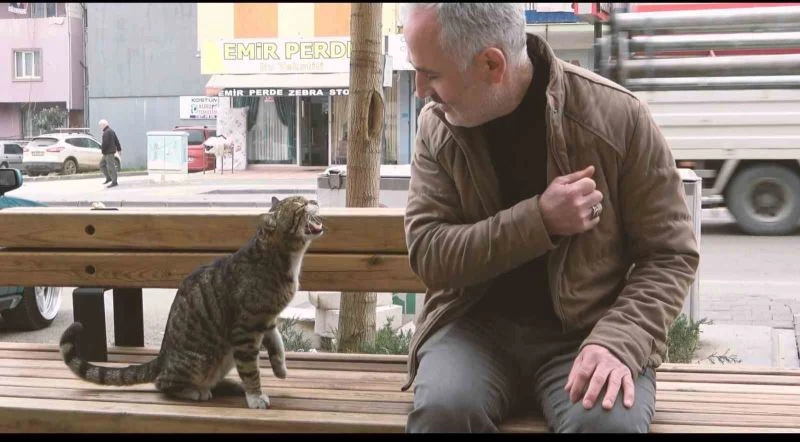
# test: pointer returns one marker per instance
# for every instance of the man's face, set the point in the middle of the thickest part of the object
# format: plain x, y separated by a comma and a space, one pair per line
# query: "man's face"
467, 98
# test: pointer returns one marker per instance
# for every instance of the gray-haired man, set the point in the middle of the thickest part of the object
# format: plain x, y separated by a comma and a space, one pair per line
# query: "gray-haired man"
546, 217
109, 147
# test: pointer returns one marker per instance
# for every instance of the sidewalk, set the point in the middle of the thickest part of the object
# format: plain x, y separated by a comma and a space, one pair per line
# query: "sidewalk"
249, 188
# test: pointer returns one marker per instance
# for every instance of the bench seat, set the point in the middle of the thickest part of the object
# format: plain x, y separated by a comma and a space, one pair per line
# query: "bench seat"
351, 393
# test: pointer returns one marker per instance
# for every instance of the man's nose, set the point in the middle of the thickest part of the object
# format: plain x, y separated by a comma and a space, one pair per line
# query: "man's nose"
422, 89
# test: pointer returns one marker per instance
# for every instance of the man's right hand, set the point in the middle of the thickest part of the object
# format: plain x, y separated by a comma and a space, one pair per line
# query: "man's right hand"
566, 204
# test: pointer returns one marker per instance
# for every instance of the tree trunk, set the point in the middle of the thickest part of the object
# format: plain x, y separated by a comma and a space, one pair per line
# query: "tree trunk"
365, 126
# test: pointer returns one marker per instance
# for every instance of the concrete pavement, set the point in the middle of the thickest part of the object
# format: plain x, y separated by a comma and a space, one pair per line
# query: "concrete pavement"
250, 188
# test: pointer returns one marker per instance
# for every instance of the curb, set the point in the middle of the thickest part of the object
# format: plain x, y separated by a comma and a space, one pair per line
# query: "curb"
79, 176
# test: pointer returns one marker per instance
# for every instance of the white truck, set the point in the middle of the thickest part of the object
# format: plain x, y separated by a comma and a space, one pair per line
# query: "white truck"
724, 88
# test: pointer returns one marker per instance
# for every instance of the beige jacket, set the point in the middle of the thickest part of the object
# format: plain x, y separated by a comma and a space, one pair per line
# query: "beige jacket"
627, 277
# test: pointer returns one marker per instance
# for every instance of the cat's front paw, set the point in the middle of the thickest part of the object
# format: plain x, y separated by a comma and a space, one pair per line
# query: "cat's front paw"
279, 371
257, 401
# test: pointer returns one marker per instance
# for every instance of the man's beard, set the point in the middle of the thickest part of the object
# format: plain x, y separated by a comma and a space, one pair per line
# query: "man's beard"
485, 109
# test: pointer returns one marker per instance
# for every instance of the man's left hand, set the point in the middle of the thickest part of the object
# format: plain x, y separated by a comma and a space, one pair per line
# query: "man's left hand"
593, 368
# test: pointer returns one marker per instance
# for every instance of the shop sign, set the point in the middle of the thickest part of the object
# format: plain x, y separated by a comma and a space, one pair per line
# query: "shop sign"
278, 55
284, 92
198, 107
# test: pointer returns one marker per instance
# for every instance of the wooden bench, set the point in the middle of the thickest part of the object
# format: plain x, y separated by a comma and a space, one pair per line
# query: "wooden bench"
364, 249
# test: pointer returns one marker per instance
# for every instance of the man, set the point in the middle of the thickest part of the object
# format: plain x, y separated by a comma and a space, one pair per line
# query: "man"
109, 147
546, 217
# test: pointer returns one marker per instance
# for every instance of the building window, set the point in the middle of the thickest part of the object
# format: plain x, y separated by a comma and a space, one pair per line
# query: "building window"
27, 65
43, 10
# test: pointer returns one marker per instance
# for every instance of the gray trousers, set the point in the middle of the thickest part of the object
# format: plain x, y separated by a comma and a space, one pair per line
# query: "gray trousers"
474, 372
108, 167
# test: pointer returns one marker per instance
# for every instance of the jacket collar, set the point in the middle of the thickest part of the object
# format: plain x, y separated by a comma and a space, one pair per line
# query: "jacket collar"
475, 147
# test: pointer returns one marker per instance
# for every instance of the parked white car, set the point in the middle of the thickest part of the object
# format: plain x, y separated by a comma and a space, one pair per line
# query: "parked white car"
67, 153
11, 153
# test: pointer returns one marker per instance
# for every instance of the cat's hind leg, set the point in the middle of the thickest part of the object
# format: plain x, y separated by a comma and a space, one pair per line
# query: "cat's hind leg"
277, 356
228, 387
183, 390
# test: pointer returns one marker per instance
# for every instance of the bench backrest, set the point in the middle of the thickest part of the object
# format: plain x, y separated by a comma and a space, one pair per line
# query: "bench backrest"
363, 249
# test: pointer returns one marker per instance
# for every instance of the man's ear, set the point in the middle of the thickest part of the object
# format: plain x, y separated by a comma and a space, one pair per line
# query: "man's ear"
275, 202
494, 63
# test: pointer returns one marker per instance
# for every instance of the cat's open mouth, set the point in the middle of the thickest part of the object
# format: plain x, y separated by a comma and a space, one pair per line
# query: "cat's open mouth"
313, 227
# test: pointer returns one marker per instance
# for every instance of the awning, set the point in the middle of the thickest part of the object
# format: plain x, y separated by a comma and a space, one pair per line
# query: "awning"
277, 81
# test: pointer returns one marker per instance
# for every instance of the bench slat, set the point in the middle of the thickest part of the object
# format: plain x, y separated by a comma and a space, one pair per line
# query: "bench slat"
49, 415
356, 230
329, 272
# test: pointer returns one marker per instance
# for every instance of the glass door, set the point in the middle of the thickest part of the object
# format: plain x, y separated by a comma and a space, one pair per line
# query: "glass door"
314, 120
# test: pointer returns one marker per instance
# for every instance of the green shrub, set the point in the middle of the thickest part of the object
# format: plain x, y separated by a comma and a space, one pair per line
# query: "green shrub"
293, 338
683, 338
387, 342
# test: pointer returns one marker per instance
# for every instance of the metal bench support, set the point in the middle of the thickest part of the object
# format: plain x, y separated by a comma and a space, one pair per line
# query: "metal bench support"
89, 309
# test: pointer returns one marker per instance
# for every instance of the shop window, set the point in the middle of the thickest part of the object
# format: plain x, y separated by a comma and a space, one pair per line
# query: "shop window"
339, 116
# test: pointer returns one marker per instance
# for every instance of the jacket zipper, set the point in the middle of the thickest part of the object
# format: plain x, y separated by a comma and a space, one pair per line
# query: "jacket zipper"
555, 286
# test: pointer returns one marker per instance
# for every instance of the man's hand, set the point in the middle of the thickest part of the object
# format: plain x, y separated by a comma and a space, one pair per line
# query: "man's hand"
596, 366
567, 202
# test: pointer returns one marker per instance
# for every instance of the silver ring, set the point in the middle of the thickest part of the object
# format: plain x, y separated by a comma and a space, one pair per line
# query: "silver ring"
597, 209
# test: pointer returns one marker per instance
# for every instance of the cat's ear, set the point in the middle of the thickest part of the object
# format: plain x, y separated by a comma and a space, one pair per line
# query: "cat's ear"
267, 222
275, 202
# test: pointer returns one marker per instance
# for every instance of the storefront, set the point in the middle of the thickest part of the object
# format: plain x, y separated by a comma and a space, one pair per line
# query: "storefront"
294, 93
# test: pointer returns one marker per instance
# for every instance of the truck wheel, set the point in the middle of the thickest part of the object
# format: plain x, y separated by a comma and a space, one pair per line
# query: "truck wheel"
765, 200
38, 308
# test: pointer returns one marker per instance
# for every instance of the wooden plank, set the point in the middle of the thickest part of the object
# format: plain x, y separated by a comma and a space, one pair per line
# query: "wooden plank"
725, 419
68, 381
335, 272
728, 398
728, 368
672, 428
48, 415
792, 411
355, 230
290, 355
267, 382
729, 388
277, 401
362, 376
728, 378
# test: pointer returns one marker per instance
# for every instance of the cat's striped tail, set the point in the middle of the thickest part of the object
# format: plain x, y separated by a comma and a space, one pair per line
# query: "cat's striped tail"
130, 375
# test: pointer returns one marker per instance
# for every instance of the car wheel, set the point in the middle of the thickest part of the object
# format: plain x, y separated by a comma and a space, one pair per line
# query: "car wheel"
765, 200
33, 173
70, 167
38, 308
116, 164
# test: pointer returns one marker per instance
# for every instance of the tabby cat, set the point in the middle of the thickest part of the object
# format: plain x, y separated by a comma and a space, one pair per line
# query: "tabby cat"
220, 314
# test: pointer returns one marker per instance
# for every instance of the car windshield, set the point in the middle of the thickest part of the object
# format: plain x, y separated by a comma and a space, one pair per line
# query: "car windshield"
43, 142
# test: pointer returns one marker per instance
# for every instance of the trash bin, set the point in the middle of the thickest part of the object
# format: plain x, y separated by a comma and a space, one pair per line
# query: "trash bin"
167, 156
